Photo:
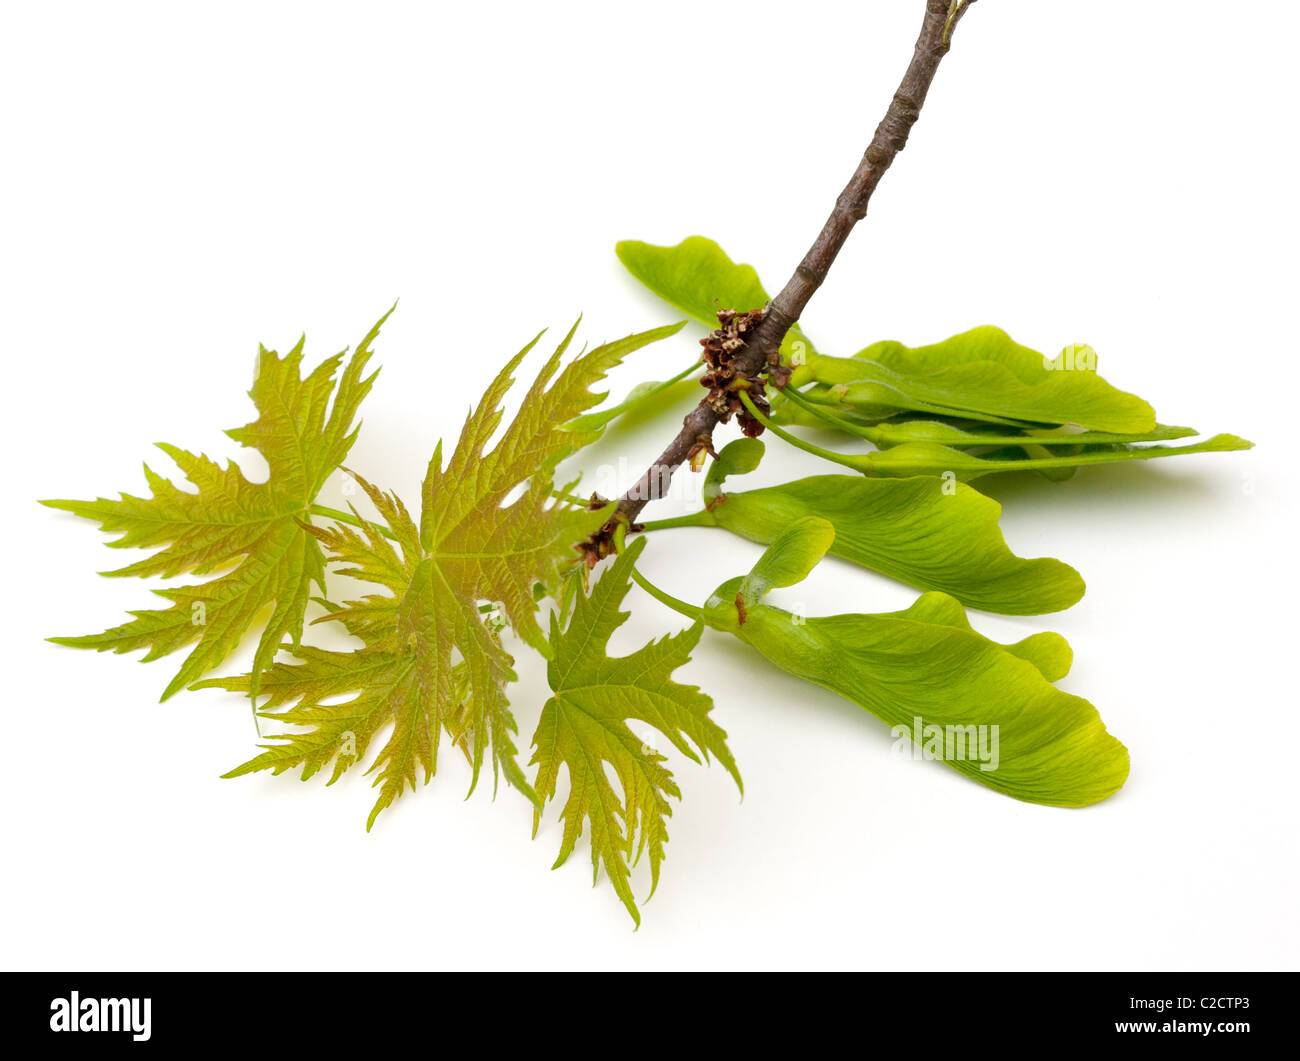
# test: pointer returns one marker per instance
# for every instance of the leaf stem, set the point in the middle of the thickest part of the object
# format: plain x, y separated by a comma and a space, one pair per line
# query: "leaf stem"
844, 459
580, 502
695, 519
664, 598
891, 135
869, 433
632, 400
351, 520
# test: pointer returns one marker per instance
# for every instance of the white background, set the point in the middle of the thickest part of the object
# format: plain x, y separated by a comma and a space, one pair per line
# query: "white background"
181, 182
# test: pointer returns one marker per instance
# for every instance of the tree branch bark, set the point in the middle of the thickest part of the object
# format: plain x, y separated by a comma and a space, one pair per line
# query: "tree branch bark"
763, 346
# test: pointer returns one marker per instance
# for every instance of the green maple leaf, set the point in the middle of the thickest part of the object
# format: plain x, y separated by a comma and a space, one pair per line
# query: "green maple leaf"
584, 725
430, 662
254, 532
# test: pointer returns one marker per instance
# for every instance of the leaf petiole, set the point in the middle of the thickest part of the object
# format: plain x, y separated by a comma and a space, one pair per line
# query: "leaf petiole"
638, 396
571, 499
695, 519
664, 598
817, 451
351, 520
871, 434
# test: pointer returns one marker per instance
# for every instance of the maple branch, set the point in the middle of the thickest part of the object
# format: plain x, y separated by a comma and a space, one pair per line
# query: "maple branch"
763, 345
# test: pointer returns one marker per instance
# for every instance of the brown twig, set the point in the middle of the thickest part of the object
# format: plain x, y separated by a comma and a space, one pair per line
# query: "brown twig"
763, 344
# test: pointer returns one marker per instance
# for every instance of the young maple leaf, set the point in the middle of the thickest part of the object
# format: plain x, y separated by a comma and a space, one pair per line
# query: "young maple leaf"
383, 676
255, 530
430, 662
585, 725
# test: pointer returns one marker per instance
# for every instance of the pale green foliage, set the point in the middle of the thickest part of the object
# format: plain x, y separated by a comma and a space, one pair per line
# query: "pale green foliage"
431, 663
933, 459
982, 374
926, 662
991, 405
252, 532
925, 531
394, 679
496, 535
584, 726
698, 278
795, 551
928, 458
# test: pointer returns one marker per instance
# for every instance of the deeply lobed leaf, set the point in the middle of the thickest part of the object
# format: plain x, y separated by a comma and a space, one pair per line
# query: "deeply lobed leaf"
430, 662
584, 725
256, 530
